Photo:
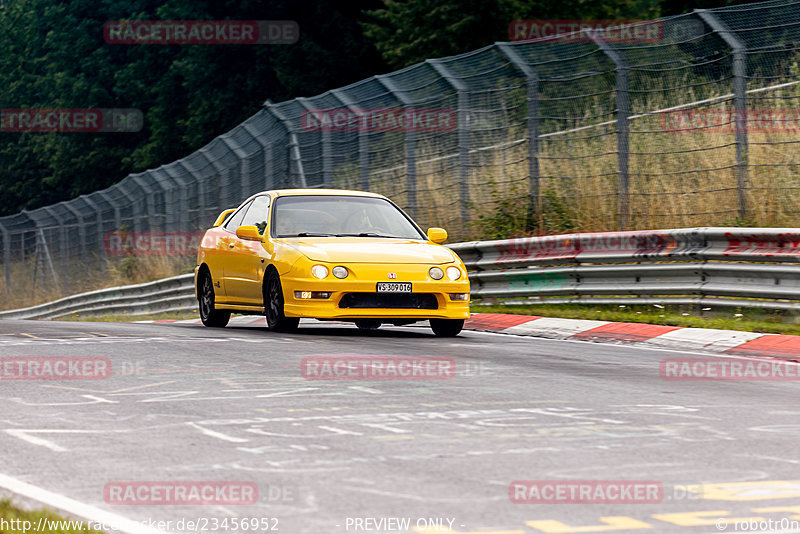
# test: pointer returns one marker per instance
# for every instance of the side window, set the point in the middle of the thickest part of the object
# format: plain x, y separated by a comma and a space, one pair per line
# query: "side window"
234, 221
257, 213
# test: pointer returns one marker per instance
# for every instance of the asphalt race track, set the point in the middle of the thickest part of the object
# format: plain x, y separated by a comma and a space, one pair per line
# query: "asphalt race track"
191, 404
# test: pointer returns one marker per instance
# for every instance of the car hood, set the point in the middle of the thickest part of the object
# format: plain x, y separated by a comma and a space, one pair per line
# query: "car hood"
370, 250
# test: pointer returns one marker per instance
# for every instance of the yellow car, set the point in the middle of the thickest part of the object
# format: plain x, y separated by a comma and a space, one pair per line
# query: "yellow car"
331, 255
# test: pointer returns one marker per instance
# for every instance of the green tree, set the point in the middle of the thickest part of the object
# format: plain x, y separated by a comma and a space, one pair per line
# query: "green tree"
54, 56
411, 31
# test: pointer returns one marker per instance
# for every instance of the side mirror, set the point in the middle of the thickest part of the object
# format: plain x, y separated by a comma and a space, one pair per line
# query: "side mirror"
437, 235
248, 232
222, 216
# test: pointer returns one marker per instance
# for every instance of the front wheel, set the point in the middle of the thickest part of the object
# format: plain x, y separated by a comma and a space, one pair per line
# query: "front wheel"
205, 299
273, 306
447, 327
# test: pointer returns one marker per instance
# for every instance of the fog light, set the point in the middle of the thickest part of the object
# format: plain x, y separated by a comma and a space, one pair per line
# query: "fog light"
453, 273
305, 295
436, 273
459, 296
339, 272
319, 271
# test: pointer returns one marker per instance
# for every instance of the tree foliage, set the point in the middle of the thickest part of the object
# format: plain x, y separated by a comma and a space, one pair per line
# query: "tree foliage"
54, 56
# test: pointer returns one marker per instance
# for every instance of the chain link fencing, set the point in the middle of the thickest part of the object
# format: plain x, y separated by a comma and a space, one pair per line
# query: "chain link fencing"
697, 126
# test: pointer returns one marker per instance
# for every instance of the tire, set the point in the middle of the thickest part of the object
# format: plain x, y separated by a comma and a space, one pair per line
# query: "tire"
273, 306
368, 324
205, 304
447, 327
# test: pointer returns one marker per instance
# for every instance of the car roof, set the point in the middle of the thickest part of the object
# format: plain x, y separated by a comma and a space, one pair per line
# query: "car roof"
323, 192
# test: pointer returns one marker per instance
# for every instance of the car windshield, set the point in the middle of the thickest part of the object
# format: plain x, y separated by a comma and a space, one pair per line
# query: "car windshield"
340, 216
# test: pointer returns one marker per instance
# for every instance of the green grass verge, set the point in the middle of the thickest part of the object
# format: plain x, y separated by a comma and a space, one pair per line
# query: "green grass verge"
127, 318
13, 521
745, 319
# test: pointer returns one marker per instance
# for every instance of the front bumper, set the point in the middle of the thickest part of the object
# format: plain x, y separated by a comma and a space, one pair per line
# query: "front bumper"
363, 278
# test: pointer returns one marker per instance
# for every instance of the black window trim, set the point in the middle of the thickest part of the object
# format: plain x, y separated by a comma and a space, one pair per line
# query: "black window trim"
277, 198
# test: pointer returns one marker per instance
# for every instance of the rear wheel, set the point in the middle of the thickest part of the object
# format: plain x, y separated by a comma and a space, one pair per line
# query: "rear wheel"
205, 299
273, 306
368, 324
447, 327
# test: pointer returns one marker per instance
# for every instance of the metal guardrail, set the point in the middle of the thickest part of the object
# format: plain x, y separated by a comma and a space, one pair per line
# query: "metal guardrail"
167, 295
704, 266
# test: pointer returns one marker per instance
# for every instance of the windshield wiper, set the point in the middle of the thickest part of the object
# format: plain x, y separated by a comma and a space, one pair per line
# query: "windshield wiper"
370, 234
308, 234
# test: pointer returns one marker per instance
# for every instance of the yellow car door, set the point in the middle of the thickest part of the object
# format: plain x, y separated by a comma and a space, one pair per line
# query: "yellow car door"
247, 259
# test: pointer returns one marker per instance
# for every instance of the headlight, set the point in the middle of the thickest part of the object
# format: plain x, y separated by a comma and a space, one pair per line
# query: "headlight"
339, 272
319, 271
436, 273
453, 273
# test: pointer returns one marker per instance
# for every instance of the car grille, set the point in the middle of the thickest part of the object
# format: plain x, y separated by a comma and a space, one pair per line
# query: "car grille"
422, 301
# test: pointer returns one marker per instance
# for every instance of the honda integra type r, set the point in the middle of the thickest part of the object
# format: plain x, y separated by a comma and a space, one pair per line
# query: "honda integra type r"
331, 255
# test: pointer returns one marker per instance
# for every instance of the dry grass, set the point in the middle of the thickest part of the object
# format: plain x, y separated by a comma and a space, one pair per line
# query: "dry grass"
78, 276
676, 180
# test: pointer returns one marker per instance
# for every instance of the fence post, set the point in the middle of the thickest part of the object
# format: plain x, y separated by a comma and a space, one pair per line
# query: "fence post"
62, 247
6, 255
148, 198
99, 222
463, 133
363, 140
325, 138
294, 144
739, 100
621, 72
532, 79
115, 206
81, 235
207, 218
411, 145
136, 208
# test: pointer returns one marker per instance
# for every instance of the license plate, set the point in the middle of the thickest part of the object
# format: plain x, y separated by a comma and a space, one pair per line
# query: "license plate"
394, 287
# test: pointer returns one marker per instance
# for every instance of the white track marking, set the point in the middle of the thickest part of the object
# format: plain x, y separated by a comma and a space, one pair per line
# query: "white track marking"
218, 435
75, 508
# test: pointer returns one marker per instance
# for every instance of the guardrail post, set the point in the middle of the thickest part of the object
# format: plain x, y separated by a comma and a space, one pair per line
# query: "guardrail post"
621, 72
739, 101
294, 144
411, 145
363, 140
532, 78
463, 132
